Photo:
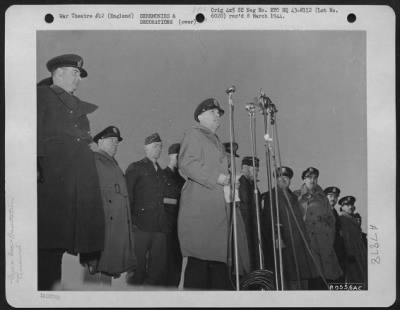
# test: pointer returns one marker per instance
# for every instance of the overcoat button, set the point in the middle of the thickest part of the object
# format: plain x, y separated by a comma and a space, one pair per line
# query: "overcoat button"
110, 201
110, 217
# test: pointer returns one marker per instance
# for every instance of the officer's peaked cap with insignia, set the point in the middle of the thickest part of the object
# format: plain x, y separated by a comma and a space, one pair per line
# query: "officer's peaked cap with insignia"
206, 105
332, 190
248, 160
347, 200
174, 148
285, 171
110, 131
227, 147
155, 137
310, 171
67, 60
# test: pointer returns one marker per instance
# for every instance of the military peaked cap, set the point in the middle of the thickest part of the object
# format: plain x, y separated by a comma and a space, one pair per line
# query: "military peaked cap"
110, 131
174, 148
227, 146
248, 160
285, 171
206, 105
67, 60
347, 200
332, 190
310, 171
155, 137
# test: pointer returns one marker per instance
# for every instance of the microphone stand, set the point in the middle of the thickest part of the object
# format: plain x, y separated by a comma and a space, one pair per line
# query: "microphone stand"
268, 109
230, 92
251, 109
260, 279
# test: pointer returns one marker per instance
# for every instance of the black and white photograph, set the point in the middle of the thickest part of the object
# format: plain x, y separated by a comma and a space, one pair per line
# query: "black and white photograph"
242, 152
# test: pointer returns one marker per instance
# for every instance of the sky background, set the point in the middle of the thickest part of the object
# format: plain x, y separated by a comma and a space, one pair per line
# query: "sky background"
151, 81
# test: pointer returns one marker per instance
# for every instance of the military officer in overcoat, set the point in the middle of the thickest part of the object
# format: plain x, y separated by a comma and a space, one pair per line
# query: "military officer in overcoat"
333, 193
320, 225
145, 180
203, 220
118, 255
70, 212
356, 259
172, 193
248, 206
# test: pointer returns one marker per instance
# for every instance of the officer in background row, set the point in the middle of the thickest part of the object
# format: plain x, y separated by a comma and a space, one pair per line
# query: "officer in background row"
333, 193
172, 193
249, 171
241, 234
145, 180
356, 251
70, 212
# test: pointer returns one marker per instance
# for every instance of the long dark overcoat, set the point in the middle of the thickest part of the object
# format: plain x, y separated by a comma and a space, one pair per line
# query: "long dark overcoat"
356, 252
203, 227
118, 255
247, 208
321, 226
297, 261
70, 213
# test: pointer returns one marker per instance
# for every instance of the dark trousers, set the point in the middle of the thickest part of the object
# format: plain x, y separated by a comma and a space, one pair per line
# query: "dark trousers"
174, 255
205, 274
150, 251
49, 268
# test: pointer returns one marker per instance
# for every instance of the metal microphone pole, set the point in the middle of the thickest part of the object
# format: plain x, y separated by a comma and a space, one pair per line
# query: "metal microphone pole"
268, 109
230, 92
251, 109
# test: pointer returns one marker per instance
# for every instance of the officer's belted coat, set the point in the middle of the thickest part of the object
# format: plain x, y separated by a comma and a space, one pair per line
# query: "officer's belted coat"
70, 213
118, 254
320, 225
203, 214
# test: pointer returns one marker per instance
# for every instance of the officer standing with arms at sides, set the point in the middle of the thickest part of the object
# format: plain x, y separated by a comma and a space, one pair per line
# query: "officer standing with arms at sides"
172, 193
70, 212
356, 251
333, 193
118, 255
145, 180
203, 225
248, 206
320, 225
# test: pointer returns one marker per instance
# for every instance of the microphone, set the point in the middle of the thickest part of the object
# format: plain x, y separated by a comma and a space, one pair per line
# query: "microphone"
231, 90
250, 107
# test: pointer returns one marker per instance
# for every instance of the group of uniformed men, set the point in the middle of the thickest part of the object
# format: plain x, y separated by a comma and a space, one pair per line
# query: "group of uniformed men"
128, 223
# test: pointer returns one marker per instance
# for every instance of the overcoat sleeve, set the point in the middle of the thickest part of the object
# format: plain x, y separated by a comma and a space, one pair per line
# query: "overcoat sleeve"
41, 113
192, 161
